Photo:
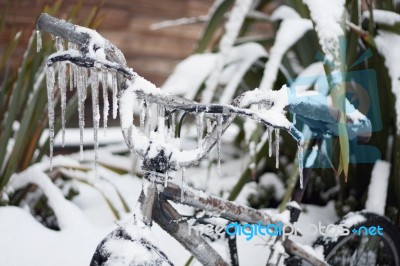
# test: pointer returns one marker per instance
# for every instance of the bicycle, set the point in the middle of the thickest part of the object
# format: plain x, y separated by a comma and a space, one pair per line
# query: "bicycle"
89, 50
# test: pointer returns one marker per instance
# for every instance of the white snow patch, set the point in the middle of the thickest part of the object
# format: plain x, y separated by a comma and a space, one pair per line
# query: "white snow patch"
385, 41
383, 16
327, 16
377, 190
290, 31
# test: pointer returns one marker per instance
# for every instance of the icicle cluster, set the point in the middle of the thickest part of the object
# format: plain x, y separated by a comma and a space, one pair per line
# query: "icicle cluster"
80, 78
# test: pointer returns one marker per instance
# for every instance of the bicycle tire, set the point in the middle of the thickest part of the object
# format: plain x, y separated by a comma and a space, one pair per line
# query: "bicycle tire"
344, 250
126, 251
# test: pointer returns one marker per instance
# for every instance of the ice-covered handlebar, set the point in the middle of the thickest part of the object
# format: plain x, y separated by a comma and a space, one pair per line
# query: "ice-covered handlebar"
98, 54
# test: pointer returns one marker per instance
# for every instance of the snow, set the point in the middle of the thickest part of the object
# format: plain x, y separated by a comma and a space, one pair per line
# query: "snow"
312, 157
327, 16
232, 29
245, 56
377, 190
20, 231
284, 12
352, 219
385, 41
68, 215
312, 74
383, 17
177, 22
290, 31
271, 179
192, 72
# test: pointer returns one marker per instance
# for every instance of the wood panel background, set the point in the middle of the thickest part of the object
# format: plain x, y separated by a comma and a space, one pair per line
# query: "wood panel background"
153, 54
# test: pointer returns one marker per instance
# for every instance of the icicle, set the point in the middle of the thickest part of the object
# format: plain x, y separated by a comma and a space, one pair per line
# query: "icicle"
71, 46
71, 77
161, 121
59, 43
199, 123
106, 107
209, 126
115, 92
84, 81
269, 141
219, 135
62, 84
148, 119
96, 114
50, 80
38, 41
166, 179
172, 125
277, 139
300, 152
81, 107
142, 114
75, 69
183, 184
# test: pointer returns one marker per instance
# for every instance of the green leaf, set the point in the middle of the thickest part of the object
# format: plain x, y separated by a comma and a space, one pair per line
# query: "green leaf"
212, 25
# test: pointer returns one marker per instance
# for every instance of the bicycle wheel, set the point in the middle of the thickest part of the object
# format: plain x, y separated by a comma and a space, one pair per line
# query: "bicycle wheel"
360, 248
120, 249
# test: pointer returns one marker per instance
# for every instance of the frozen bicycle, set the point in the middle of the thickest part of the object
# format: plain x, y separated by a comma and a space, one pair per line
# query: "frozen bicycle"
130, 244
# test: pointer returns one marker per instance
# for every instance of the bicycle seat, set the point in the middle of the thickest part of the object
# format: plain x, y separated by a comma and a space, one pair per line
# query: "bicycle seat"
319, 114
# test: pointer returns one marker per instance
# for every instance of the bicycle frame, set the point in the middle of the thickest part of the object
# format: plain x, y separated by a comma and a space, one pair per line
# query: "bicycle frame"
155, 206
153, 200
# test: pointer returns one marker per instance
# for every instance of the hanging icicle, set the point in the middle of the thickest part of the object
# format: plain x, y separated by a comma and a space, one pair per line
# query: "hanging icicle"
277, 139
38, 41
219, 135
62, 84
148, 119
115, 94
300, 156
106, 107
71, 77
81, 107
59, 43
161, 121
172, 126
71, 46
209, 125
50, 82
142, 107
96, 114
166, 179
199, 124
84, 81
270, 131
183, 184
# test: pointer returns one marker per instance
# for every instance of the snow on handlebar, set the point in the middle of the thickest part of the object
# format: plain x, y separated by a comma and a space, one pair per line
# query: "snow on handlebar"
93, 60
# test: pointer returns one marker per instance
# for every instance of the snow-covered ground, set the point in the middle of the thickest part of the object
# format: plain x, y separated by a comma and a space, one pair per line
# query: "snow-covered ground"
24, 241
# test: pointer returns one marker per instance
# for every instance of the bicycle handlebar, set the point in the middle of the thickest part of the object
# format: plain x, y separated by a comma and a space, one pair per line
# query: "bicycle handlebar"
97, 52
